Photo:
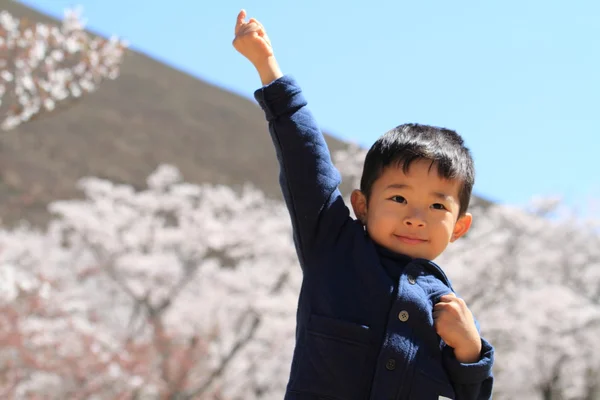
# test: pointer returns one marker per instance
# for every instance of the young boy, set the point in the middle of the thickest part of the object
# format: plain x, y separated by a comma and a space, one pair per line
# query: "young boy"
376, 319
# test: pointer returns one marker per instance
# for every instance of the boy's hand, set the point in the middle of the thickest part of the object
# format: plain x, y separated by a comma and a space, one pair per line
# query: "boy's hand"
454, 323
252, 42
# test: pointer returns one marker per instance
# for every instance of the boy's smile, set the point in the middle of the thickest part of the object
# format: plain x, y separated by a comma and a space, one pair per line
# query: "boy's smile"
413, 213
409, 239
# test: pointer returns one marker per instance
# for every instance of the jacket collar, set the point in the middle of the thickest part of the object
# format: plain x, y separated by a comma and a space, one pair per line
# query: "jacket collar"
400, 261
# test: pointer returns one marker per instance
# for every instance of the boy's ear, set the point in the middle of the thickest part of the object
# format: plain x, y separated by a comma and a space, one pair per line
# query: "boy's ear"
462, 226
359, 205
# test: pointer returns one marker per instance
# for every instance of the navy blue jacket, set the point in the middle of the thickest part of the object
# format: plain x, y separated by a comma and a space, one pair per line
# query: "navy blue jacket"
364, 321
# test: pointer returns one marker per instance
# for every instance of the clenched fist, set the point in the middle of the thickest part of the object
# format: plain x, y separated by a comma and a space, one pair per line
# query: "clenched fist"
454, 323
252, 42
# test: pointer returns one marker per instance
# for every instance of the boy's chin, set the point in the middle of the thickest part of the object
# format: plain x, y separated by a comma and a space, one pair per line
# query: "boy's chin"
412, 253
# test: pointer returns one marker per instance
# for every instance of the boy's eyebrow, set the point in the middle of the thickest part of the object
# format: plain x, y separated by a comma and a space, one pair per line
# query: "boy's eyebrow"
442, 196
398, 186
439, 195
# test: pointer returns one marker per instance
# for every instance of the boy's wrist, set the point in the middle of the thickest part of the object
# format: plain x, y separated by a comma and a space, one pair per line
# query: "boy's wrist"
468, 354
268, 70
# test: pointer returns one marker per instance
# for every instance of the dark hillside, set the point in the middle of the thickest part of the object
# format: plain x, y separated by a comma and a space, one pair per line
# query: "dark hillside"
150, 114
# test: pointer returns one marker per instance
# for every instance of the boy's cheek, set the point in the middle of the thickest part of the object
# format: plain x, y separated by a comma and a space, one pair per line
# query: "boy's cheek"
389, 215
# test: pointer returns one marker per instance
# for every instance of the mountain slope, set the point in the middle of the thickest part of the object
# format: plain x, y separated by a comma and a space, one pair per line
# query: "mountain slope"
151, 114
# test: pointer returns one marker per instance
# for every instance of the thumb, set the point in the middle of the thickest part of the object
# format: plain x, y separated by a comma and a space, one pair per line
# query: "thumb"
240, 20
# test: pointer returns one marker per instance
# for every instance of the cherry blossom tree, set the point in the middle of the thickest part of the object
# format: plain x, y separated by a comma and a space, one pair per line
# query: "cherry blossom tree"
183, 291
45, 67
179, 291
48, 345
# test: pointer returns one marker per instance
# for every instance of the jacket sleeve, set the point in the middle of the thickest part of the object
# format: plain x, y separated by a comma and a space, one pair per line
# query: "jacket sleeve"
471, 381
309, 181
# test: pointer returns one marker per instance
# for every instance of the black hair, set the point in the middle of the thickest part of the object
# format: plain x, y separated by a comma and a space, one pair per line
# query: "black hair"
407, 143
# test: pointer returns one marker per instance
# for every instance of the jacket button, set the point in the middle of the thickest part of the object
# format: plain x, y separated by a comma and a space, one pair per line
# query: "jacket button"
403, 316
390, 365
411, 280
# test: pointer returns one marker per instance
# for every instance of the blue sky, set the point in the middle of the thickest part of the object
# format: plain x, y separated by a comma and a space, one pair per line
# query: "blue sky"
518, 79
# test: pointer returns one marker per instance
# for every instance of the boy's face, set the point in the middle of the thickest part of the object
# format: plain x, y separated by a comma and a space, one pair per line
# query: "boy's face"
415, 214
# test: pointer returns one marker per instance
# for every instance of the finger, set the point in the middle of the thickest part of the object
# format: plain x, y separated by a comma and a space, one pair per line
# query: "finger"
440, 307
240, 20
448, 297
250, 27
248, 30
255, 21
261, 28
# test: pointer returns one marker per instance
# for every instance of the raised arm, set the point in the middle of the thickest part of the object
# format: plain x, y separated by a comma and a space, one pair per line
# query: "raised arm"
308, 179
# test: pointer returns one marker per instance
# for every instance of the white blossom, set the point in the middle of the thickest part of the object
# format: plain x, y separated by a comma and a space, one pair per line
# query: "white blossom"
43, 64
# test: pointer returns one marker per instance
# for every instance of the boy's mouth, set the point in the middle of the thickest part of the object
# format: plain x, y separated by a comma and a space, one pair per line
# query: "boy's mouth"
410, 239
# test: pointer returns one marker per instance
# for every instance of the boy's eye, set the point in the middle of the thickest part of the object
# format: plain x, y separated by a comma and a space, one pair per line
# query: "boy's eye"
438, 206
398, 199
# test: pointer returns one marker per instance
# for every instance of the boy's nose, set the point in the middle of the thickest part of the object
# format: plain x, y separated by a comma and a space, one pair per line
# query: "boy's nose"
414, 220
